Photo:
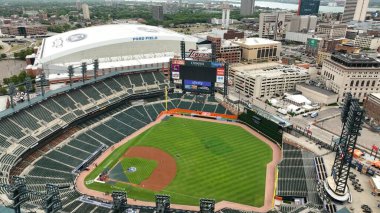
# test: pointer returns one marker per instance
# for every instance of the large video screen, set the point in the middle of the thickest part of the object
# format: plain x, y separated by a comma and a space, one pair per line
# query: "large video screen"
197, 86
207, 74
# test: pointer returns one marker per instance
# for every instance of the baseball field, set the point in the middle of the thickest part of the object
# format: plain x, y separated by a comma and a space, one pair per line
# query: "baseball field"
187, 159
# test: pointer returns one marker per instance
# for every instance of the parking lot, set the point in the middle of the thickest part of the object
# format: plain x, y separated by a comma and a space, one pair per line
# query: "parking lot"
366, 139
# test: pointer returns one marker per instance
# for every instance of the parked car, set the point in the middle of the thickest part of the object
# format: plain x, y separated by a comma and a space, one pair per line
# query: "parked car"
314, 114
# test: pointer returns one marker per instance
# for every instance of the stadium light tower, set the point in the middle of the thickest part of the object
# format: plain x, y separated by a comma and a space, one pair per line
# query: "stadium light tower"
17, 192
11, 92
183, 50
206, 205
71, 73
119, 201
96, 67
84, 70
352, 117
28, 86
52, 199
42, 83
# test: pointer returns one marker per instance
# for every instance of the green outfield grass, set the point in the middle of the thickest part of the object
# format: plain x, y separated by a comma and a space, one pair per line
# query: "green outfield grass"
218, 161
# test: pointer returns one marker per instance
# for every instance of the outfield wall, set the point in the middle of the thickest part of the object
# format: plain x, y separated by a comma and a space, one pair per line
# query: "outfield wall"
271, 130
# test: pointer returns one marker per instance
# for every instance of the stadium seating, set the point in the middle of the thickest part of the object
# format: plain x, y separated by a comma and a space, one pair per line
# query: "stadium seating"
79, 97
9, 129
148, 78
41, 113
3, 143
101, 87
65, 101
55, 112
25, 120
123, 80
113, 84
52, 106
136, 79
91, 92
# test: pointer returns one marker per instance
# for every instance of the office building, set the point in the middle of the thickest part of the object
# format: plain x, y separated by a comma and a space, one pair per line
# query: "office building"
158, 12
303, 24
353, 73
298, 37
225, 49
78, 5
313, 46
332, 30
86, 11
255, 50
274, 25
355, 10
371, 107
367, 42
247, 7
275, 79
308, 7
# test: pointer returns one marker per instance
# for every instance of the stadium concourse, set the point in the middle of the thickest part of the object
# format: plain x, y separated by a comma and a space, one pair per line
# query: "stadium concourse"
53, 139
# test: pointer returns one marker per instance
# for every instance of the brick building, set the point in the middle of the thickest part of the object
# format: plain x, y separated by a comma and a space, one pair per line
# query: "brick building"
24, 30
225, 49
372, 108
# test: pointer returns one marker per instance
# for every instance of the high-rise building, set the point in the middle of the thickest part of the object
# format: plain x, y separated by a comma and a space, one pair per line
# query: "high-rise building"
303, 24
274, 25
78, 5
355, 10
247, 7
308, 7
226, 16
332, 30
158, 12
86, 11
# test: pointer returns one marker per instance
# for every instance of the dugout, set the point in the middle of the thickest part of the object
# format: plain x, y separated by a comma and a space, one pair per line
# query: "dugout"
271, 126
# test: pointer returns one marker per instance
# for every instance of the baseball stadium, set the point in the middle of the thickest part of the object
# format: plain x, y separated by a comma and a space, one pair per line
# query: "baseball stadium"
146, 138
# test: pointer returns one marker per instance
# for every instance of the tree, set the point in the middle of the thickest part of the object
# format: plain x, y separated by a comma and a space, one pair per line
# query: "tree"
21, 88
14, 79
3, 55
22, 76
6, 81
3, 91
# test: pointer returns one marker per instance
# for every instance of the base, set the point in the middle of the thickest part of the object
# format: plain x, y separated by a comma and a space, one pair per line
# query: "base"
330, 187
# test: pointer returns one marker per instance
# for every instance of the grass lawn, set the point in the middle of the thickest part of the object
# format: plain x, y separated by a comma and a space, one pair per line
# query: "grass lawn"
144, 169
218, 161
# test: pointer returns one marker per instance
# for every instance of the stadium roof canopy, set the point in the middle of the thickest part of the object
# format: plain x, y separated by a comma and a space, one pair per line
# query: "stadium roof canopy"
83, 39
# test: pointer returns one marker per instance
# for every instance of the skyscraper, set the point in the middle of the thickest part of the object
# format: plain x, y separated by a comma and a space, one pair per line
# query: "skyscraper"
86, 11
308, 7
247, 7
158, 12
78, 5
355, 10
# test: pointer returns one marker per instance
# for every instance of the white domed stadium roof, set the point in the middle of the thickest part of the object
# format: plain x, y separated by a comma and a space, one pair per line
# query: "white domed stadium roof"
83, 39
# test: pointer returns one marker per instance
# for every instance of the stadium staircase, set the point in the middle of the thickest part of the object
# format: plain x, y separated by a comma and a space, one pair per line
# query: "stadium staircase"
56, 161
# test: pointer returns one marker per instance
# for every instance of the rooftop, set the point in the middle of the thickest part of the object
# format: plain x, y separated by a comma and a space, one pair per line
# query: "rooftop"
256, 41
317, 89
93, 37
355, 60
272, 70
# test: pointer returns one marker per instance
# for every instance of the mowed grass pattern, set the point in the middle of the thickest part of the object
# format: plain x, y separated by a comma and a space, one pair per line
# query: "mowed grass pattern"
144, 169
218, 161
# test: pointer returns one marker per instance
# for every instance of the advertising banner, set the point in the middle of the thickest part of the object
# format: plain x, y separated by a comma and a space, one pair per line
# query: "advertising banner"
220, 75
175, 71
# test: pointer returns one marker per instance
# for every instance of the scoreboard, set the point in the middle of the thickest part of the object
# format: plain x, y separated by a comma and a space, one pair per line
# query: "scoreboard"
198, 76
